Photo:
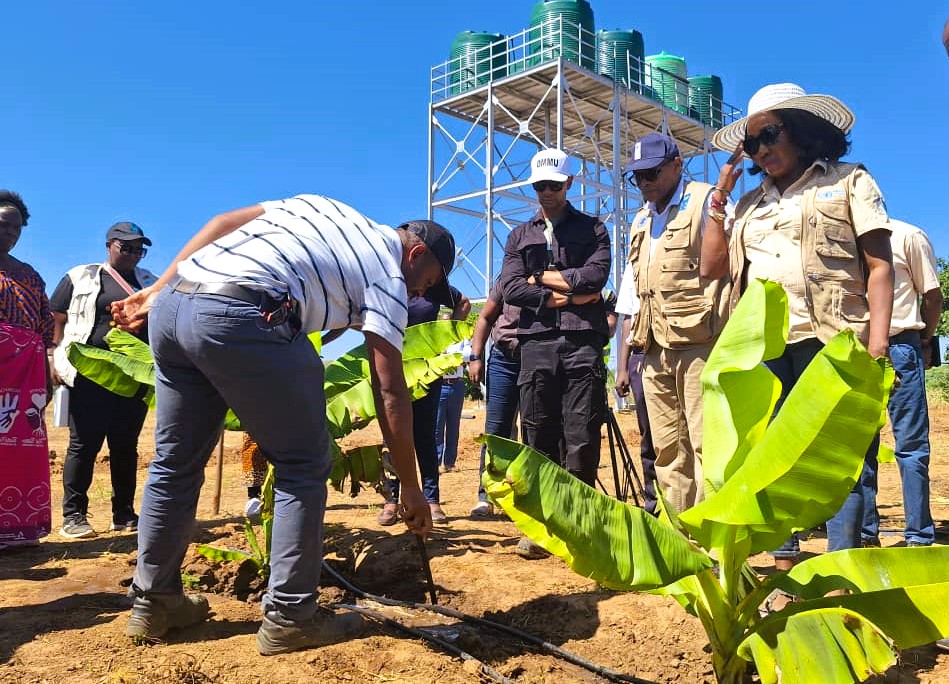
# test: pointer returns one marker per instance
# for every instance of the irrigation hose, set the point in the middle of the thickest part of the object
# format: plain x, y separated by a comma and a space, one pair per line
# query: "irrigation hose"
612, 675
485, 669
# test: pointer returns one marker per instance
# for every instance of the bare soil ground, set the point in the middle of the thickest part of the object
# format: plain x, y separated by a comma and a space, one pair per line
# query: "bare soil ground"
63, 605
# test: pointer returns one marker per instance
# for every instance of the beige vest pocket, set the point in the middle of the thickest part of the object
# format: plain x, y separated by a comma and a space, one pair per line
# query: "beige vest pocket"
688, 322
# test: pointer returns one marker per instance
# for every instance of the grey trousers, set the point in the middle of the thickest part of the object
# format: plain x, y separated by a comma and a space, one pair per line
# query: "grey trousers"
212, 352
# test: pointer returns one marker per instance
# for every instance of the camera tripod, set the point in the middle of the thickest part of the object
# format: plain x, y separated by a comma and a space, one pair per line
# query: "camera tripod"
628, 485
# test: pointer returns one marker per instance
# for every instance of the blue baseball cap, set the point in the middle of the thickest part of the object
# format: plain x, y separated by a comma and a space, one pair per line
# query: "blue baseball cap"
650, 151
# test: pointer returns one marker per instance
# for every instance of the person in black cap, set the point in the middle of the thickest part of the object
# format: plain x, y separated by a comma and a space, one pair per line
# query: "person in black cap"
678, 313
228, 322
81, 306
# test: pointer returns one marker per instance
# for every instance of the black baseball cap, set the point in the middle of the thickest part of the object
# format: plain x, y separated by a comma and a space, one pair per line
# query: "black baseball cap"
441, 244
126, 231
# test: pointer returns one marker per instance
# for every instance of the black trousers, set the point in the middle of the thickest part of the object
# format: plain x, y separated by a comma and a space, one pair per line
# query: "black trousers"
563, 393
424, 415
97, 415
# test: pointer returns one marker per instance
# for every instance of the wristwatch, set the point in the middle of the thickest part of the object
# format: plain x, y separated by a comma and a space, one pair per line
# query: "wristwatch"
475, 357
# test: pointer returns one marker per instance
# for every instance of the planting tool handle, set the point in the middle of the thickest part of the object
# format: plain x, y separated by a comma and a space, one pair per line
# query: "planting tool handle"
427, 569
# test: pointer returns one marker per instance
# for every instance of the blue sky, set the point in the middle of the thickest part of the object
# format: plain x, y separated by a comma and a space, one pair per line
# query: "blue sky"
168, 113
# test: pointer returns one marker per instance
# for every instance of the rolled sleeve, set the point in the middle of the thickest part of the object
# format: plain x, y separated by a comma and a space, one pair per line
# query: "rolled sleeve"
921, 260
867, 208
384, 311
592, 276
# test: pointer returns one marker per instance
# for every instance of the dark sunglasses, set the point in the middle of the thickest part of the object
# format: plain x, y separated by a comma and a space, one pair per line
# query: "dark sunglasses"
540, 186
646, 175
767, 136
132, 251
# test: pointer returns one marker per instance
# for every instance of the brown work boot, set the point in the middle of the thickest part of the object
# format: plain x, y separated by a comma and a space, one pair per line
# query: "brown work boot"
152, 618
277, 635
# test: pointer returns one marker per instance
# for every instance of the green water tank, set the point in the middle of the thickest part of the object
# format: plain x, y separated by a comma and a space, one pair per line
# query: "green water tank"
619, 55
562, 28
476, 57
705, 97
668, 76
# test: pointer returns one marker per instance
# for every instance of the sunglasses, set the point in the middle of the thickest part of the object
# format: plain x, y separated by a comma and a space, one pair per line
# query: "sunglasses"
540, 186
132, 251
646, 175
767, 136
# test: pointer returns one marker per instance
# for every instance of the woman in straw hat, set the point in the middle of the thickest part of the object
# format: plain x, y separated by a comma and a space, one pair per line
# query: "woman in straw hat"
817, 226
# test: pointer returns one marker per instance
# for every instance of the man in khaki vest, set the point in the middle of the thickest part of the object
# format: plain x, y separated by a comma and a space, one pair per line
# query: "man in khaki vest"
678, 313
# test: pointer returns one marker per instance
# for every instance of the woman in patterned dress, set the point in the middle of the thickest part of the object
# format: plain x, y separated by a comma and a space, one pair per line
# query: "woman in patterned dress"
26, 332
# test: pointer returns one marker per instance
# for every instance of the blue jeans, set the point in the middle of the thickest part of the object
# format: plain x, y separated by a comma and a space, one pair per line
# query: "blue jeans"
450, 403
424, 410
212, 352
502, 401
909, 416
843, 529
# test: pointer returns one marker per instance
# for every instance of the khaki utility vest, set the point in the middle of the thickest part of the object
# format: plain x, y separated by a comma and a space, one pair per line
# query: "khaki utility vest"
835, 274
678, 307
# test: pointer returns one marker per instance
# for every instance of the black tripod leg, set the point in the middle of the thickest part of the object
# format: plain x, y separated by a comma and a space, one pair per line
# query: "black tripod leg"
633, 482
620, 494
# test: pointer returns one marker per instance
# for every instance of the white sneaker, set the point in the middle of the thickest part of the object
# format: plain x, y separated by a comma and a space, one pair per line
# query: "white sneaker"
482, 509
252, 509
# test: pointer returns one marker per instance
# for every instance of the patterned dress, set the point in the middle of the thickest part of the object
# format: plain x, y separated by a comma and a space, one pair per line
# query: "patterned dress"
26, 331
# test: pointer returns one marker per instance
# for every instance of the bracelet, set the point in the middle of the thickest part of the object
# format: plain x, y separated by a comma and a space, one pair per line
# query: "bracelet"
721, 190
717, 215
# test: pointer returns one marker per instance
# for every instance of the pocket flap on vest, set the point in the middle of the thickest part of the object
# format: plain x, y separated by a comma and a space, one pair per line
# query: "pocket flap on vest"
836, 240
839, 211
678, 273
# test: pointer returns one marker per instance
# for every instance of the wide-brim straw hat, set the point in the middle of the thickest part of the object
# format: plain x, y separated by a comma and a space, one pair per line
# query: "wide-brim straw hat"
785, 96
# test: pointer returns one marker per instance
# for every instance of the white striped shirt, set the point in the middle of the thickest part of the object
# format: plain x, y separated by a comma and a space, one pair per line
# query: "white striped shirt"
343, 268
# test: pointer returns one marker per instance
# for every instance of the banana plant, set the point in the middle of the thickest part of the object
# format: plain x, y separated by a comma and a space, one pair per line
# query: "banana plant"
258, 555
767, 475
128, 366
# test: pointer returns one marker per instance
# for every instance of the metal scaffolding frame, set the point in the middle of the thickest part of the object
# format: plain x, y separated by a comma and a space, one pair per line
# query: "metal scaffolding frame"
485, 123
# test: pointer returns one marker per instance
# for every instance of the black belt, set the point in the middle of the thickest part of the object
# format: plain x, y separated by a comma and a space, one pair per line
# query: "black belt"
905, 337
232, 290
451, 381
274, 311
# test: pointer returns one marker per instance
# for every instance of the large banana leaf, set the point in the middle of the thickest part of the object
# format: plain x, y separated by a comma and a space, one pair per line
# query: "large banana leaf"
827, 645
422, 341
124, 371
355, 407
739, 392
903, 591
619, 546
863, 570
799, 473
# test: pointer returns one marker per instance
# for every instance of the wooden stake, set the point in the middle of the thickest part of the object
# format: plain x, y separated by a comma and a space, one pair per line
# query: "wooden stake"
216, 502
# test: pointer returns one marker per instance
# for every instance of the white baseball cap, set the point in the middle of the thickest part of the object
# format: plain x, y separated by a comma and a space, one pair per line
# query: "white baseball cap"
550, 165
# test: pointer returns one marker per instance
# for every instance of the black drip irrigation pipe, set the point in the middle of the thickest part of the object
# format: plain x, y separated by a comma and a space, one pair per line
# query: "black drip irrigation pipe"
612, 675
486, 669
